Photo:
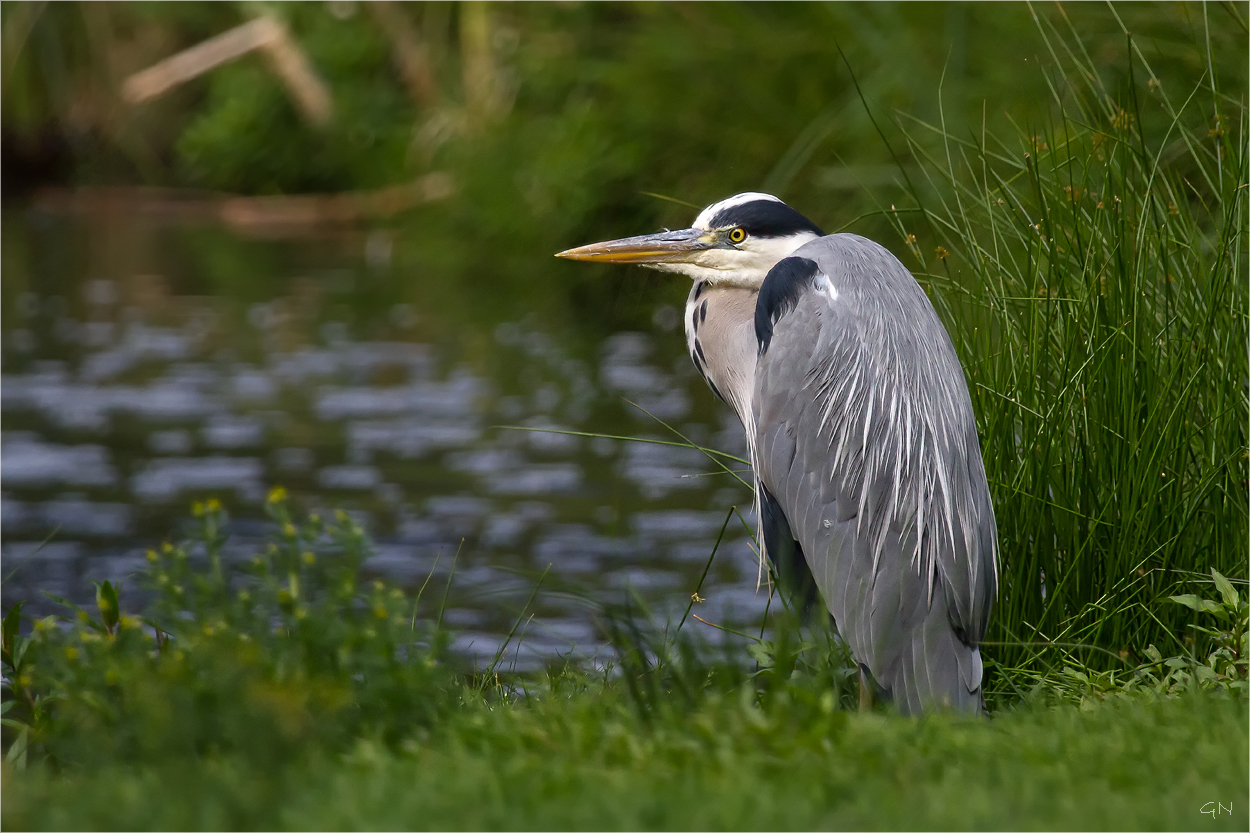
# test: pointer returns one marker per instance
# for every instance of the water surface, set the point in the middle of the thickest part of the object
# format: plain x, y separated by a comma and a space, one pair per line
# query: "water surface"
150, 362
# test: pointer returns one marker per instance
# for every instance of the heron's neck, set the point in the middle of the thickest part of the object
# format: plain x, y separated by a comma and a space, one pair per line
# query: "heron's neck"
720, 332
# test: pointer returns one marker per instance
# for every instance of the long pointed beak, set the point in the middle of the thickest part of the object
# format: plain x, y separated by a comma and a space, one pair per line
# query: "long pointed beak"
665, 247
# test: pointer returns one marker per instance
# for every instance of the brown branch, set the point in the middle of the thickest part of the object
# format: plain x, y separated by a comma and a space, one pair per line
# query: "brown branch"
276, 216
286, 59
409, 51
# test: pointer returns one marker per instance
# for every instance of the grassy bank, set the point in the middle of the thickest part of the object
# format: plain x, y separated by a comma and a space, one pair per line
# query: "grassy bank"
586, 760
297, 695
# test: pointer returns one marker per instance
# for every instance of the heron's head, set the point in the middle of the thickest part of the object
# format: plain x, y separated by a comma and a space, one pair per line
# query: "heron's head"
733, 242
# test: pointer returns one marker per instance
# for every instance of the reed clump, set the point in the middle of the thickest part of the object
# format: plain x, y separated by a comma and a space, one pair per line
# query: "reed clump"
1092, 268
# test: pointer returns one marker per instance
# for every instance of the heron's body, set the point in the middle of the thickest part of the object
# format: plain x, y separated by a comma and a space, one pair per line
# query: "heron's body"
868, 471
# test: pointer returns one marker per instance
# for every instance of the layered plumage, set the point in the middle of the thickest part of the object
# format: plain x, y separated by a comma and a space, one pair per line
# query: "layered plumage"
862, 432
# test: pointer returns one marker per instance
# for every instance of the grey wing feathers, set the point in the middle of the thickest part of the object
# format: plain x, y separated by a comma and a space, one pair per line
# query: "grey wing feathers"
862, 431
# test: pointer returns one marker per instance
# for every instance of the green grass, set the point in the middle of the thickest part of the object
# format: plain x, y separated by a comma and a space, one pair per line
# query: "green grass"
1092, 269
586, 760
301, 697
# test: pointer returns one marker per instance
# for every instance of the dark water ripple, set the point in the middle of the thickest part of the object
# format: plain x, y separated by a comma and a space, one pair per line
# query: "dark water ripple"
125, 395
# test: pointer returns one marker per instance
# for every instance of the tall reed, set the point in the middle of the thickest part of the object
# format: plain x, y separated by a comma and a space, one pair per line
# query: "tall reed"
1092, 269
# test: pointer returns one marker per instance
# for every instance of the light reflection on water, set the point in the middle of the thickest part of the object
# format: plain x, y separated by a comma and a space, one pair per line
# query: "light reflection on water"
126, 394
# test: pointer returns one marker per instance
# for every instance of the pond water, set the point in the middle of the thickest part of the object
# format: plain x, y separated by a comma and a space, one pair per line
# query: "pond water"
149, 361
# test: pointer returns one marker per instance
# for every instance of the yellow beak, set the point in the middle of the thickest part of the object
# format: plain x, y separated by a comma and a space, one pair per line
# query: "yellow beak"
665, 247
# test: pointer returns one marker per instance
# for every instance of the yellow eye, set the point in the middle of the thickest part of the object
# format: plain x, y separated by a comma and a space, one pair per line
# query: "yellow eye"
737, 235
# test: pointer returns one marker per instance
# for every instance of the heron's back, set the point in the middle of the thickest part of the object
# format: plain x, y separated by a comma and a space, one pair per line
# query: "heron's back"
862, 432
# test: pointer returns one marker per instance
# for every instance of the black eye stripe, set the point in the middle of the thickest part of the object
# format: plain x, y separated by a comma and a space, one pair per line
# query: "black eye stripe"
765, 218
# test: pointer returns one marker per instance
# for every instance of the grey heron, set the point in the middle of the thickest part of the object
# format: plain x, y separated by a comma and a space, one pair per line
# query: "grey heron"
868, 474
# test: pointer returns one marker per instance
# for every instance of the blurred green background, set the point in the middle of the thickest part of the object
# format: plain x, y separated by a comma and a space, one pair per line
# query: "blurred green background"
554, 120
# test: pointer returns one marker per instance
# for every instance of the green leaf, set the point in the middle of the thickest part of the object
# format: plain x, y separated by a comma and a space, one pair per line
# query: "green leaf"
62, 601
761, 652
1077, 674
1188, 600
12, 620
106, 601
17, 751
20, 644
1193, 602
83, 616
1227, 591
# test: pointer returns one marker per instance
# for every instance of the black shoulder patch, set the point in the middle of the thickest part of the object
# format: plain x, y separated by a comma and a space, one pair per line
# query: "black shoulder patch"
765, 218
779, 293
